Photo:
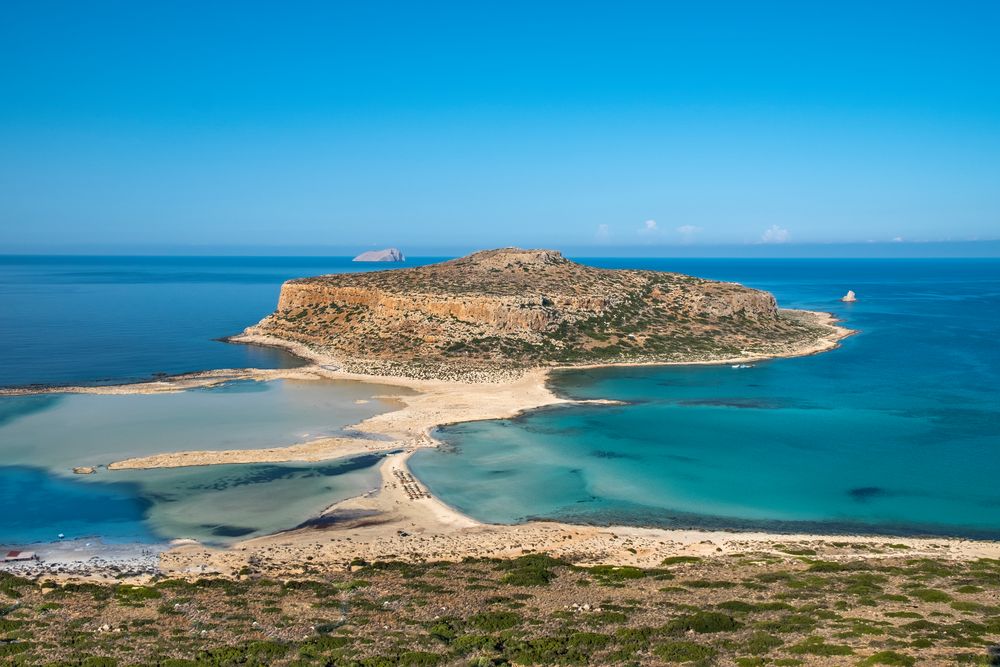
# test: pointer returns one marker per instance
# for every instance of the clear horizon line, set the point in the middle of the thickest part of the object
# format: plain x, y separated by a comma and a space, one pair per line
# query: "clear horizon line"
883, 249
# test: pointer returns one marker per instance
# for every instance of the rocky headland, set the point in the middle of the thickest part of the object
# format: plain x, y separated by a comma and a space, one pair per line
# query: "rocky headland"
515, 309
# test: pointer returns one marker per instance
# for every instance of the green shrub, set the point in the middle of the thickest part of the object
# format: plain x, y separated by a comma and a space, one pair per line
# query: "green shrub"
789, 623
318, 646
677, 560
419, 659
888, 658
969, 589
680, 651
493, 621
530, 570
930, 595
253, 653
611, 573
703, 622
760, 643
137, 593
469, 643
99, 661
445, 630
588, 641
817, 646
545, 651
9, 584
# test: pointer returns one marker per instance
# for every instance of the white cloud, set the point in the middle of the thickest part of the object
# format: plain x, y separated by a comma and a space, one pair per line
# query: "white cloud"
649, 227
688, 232
603, 233
775, 234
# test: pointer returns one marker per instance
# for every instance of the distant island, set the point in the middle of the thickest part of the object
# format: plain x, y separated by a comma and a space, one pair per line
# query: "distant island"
387, 255
507, 310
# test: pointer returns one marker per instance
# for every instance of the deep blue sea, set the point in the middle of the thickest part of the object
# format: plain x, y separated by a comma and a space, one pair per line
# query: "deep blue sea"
897, 431
76, 320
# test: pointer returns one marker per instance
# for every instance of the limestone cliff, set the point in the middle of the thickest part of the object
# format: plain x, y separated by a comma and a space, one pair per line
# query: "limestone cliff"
513, 308
387, 255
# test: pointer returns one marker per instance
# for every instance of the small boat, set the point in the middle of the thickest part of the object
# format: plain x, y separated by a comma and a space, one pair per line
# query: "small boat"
742, 366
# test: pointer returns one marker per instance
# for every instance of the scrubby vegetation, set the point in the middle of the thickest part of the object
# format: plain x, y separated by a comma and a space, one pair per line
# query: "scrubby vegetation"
534, 610
526, 308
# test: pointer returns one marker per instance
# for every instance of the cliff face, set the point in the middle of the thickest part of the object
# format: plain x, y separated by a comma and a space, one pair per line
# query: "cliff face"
522, 308
387, 255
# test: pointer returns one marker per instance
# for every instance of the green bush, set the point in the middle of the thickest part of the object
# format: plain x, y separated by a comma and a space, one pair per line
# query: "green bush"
683, 651
888, 658
588, 641
99, 661
493, 621
703, 622
677, 560
419, 659
253, 653
136, 593
545, 651
445, 630
530, 570
611, 573
930, 595
817, 646
469, 643
760, 643
9, 584
789, 623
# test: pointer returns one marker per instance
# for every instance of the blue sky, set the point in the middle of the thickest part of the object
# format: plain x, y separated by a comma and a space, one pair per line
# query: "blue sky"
602, 127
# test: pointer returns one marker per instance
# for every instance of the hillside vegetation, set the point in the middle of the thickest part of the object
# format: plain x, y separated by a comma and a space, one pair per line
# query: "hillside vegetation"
512, 309
755, 609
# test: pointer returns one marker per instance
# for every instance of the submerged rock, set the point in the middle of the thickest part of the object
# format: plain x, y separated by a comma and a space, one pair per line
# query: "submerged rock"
84, 470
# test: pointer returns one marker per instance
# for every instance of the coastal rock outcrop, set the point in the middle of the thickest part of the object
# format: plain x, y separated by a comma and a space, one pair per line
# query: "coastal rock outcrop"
387, 255
516, 308
850, 296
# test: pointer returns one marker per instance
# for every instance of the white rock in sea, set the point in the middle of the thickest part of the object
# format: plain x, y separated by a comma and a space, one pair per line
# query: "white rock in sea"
387, 255
849, 296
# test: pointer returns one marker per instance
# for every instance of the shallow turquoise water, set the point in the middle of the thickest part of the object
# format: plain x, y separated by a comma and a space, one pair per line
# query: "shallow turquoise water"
897, 431
60, 431
213, 504
42, 437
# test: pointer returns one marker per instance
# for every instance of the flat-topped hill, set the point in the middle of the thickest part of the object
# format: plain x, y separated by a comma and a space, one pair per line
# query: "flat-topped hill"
511, 309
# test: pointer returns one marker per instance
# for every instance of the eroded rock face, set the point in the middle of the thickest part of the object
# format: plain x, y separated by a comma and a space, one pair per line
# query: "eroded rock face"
387, 255
525, 308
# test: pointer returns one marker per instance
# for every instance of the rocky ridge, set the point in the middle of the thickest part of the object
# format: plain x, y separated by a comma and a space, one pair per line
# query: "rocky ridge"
512, 309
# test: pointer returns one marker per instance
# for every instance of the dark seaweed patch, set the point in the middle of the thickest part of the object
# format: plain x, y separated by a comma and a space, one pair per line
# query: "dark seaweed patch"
742, 403
866, 493
230, 531
606, 454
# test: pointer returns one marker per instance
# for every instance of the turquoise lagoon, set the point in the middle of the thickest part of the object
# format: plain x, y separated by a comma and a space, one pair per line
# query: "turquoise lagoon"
43, 436
898, 431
